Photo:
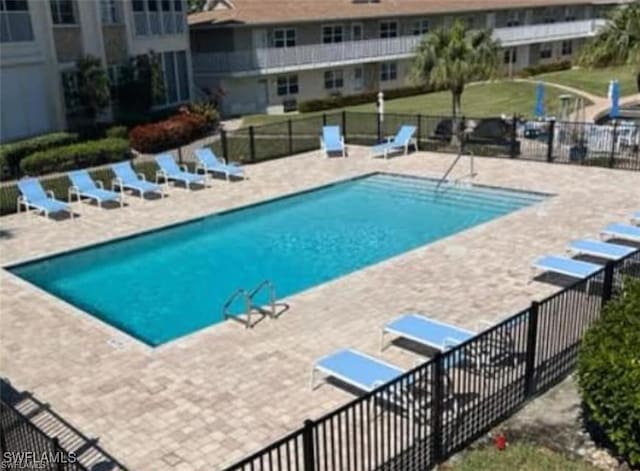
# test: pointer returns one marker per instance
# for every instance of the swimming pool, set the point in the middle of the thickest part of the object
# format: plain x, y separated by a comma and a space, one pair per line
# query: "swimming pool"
168, 283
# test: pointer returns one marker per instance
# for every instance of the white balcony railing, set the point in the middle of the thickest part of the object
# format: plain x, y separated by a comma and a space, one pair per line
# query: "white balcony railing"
274, 60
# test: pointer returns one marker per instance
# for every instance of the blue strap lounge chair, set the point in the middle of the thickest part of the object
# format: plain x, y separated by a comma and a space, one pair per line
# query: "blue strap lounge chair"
208, 162
169, 170
426, 331
32, 195
83, 186
127, 179
332, 141
566, 266
400, 142
622, 231
600, 249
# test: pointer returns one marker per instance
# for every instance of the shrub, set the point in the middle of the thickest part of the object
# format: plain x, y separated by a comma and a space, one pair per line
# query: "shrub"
174, 132
75, 156
544, 68
609, 372
208, 111
120, 132
350, 100
11, 154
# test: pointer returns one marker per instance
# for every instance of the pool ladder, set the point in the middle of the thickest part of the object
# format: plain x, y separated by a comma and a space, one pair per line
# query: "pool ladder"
249, 305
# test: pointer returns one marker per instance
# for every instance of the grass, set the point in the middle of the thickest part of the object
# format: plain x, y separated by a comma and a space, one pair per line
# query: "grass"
595, 81
478, 100
518, 456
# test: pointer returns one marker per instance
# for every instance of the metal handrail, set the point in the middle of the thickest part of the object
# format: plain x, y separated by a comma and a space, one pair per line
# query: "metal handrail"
247, 304
272, 295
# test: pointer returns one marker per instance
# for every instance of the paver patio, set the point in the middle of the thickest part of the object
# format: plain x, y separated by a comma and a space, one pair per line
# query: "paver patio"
207, 399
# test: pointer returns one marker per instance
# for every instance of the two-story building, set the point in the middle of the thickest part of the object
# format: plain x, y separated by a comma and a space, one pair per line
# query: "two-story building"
41, 40
261, 54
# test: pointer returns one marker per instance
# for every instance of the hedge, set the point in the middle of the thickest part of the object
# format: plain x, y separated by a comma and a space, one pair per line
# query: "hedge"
350, 100
11, 154
609, 372
544, 68
174, 132
60, 185
75, 156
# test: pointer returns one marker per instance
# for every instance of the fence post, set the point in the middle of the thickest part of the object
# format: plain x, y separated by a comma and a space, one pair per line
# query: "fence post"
58, 454
225, 146
418, 129
290, 131
530, 365
252, 145
612, 158
437, 397
344, 125
550, 137
307, 445
607, 284
379, 127
513, 137
180, 155
324, 119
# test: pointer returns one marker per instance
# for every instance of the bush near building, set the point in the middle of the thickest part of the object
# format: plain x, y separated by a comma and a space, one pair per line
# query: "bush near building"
76, 156
12, 154
174, 132
609, 372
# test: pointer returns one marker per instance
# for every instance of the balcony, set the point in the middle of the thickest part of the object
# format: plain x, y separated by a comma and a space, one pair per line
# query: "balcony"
317, 56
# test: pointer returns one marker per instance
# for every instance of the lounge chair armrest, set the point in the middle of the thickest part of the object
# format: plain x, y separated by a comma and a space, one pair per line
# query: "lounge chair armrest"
50, 194
100, 184
184, 167
141, 176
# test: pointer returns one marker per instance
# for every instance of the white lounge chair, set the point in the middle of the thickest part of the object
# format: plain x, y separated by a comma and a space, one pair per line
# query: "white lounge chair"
426, 331
127, 179
208, 162
32, 195
599, 249
169, 170
400, 142
621, 230
83, 186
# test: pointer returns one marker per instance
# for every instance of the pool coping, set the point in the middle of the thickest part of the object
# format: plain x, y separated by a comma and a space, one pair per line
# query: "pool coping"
116, 332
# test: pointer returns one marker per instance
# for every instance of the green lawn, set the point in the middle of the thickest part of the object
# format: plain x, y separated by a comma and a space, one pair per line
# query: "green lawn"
478, 100
516, 457
595, 81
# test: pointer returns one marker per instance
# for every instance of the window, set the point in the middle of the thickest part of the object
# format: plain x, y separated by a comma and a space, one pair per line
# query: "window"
388, 29
358, 78
333, 79
62, 12
109, 12
510, 56
513, 19
332, 34
356, 32
288, 85
569, 14
420, 27
546, 51
158, 17
284, 37
567, 48
388, 71
15, 21
176, 77
71, 90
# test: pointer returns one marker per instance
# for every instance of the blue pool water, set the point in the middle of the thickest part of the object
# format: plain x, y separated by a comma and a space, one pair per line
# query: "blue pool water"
168, 283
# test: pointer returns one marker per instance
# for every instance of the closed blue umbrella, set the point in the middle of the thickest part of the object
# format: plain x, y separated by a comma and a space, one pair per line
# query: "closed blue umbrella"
615, 100
539, 110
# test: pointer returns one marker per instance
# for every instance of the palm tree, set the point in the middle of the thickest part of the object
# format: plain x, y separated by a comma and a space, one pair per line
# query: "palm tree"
449, 58
618, 43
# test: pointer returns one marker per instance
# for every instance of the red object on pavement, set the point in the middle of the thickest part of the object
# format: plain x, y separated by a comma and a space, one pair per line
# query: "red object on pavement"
501, 442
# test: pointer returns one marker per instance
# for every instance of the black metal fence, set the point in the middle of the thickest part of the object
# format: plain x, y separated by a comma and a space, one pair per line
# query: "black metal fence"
614, 146
32, 436
438, 408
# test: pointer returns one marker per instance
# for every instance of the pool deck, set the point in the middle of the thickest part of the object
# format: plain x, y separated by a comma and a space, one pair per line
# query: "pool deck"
208, 399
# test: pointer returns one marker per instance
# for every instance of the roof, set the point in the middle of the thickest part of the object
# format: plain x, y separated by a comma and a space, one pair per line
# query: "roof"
287, 11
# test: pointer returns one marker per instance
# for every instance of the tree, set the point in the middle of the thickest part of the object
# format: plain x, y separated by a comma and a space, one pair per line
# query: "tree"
618, 43
449, 58
93, 86
142, 83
